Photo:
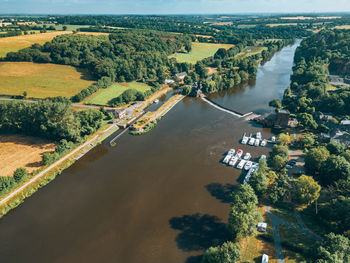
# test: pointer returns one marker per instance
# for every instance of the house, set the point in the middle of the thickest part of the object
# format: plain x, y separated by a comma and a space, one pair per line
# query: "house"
181, 75
169, 81
120, 113
282, 118
262, 227
345, 124
324, 116
340, 137
265, 258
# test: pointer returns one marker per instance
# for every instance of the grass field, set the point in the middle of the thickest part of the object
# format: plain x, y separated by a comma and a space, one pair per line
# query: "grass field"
199, 51
18, 151
41, 80
343, 27
105, 95
13, 44
250, 51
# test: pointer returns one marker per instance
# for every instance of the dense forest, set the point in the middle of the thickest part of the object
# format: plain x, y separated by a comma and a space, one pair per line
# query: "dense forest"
125, 56
49, 118
309, 90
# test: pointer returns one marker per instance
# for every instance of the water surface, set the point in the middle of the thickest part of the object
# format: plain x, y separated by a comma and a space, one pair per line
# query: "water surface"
161, 197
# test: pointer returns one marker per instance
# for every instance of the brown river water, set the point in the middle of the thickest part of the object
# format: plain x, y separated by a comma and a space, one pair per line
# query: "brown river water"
157, 198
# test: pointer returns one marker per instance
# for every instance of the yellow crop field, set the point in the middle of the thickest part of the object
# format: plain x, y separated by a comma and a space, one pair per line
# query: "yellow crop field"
13, 44
41, 80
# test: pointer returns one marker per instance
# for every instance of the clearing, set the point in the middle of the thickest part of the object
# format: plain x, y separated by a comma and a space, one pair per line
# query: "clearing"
343, 27
17, 151
115, 90
250, 51
13, 44
199, 51
41, 80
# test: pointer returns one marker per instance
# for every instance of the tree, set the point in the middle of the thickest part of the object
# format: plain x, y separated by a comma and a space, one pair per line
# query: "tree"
244, 213
277, 162
281, 150
259, 183
314, 159
307, 121
336, 148
20, 174
228, 252
307, 190
201, 70
25, 94
307, 141
284, 139
275, 103
334, 169
64, 28
279, 188
334, 249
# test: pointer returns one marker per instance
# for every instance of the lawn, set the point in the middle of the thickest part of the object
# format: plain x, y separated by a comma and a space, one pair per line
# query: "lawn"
13, 44
19, 151
293, 243
115, 90
250, 51
253, 247
41, 80
199, 51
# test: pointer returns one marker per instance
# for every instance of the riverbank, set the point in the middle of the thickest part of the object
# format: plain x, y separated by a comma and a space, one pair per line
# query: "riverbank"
148, 121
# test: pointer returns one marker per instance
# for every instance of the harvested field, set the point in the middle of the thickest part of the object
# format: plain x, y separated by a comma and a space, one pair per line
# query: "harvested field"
343, 27
250, 51
115, 90
17, 151
13, 44
94, 33
199, 51
41, 80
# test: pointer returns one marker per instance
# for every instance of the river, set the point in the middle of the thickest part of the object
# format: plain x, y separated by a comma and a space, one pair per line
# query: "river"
161, 197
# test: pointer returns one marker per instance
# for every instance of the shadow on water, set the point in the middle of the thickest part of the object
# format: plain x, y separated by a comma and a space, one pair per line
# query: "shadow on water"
194, 259
220, 191
198, 232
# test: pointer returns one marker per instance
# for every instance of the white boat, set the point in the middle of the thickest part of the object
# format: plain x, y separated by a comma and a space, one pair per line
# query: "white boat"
247, 156
263, 143
227, 158
248, 165
231, 152
263, 157
241, 164
258, 135
245, 139
251, 141
239, 153
156, 101
273, 139
257, 142
233, 161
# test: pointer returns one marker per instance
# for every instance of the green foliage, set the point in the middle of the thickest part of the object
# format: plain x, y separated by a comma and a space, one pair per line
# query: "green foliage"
334, 169
284, 139
336, 148
334, 249
314, 159
20, 174
50, 118
275, 103
307, 141
228, 252
244, 213
278, 190
307, 190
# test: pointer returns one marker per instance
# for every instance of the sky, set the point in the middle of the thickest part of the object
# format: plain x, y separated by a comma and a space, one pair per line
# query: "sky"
171, 6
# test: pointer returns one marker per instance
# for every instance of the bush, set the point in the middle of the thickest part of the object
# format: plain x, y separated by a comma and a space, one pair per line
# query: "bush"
20, 174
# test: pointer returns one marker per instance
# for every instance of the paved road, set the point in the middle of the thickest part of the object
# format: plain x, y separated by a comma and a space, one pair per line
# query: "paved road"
276, 221
38, 176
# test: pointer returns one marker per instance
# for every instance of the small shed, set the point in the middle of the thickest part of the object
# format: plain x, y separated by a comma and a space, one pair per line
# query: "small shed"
262, 227
181, 75
265, 258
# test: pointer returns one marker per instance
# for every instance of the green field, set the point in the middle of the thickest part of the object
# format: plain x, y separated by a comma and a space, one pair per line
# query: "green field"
41, 80
103, 97
199, 51
250, 51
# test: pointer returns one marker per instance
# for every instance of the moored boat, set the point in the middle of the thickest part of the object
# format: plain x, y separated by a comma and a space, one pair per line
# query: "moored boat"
258, 135
247, 156
251, 141
239, 153
241, 164
257, 142
263, 143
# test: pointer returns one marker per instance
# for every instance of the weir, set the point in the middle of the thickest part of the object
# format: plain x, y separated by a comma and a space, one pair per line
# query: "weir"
229, 111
